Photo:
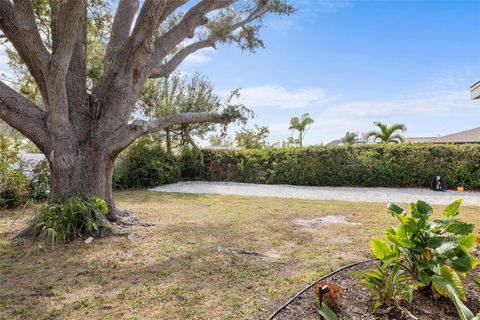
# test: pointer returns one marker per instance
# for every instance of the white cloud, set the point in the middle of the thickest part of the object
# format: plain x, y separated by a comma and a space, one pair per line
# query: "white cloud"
281, 98
334, 115
200, 57
429, 107
434, 103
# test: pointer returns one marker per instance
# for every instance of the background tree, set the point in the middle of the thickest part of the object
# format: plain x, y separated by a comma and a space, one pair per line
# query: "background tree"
160, 98
302, 125
289, 143
350, 138
84, 117
176, 94
387, 134
220, 140
252, 138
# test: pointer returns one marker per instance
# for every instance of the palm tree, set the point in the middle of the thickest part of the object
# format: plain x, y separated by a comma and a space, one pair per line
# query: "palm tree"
302, 125
387, 134
350, 138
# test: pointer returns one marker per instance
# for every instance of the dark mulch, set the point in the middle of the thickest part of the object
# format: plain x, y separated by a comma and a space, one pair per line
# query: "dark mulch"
355, 302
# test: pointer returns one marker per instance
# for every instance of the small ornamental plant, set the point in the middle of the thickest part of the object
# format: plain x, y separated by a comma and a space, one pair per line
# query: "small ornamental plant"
333, 296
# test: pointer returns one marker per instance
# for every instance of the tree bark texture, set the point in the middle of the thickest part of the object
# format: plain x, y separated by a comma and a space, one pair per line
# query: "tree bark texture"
82, 132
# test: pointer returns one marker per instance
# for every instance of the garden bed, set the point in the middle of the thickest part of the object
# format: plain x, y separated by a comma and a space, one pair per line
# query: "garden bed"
355, 302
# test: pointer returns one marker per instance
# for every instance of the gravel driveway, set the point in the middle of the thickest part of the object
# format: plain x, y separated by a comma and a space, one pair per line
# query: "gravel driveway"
352, 194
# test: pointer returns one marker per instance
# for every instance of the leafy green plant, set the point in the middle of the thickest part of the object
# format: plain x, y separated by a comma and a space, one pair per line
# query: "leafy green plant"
429, 253
388, 285
70, 219
448, 284
145, 164
39, 182
13, 184
422, 246
325, 311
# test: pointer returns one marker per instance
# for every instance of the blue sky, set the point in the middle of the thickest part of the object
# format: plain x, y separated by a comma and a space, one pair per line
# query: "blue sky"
349, 63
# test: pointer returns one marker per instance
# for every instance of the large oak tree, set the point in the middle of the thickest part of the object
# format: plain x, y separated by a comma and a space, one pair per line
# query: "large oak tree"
82, 127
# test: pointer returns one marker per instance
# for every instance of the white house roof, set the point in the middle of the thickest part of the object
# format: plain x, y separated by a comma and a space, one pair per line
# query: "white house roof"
467, 136
476, 90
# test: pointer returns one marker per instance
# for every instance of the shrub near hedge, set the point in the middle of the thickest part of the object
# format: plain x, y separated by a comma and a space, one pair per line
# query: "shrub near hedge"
145, 164
13, 184
402, 165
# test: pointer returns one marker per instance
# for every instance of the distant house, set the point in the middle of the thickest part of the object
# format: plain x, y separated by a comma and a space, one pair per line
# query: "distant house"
28, 162
475, 90
417, 139
467, 136
340, 143
335, 143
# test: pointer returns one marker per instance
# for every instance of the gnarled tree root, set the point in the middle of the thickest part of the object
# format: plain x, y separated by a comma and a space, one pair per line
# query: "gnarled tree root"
126, 219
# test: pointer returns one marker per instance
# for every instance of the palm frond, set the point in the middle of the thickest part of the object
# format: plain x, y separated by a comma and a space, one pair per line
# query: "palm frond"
387, 134
375, 134
396, 138
398, 127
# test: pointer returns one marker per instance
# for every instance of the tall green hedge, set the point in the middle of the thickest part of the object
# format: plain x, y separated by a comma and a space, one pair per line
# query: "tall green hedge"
402, 165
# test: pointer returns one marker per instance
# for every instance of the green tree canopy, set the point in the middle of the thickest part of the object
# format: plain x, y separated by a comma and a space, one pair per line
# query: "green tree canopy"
255, 138
350, 138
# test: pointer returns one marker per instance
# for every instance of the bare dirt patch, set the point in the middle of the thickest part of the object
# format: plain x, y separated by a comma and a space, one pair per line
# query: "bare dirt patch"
312, 224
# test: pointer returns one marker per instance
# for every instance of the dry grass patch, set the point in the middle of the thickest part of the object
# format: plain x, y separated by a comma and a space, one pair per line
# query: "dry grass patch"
175, 269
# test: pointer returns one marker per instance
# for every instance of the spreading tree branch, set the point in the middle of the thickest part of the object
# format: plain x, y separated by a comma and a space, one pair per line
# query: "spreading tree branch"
165, 69
194, 18
67, 20
130, 59
121, 27
19, 26
23, 115
76, 80
154, 125
126, 134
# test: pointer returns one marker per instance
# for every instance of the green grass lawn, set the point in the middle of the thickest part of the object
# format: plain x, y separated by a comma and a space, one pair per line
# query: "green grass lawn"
175, 270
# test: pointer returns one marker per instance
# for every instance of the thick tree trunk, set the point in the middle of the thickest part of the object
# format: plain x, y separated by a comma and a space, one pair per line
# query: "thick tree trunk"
82, 133
85, 172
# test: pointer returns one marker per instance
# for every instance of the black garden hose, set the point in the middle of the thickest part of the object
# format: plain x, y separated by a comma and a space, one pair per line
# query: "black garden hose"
315, 282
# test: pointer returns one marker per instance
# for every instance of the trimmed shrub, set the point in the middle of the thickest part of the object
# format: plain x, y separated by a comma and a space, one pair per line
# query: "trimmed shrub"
145, 164
392, 165
13, 184
39, 182
189, 163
